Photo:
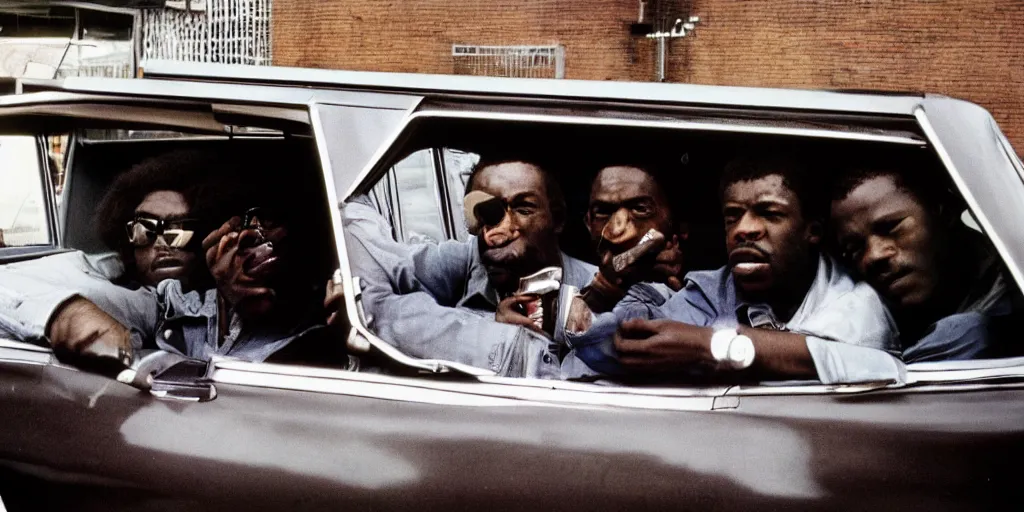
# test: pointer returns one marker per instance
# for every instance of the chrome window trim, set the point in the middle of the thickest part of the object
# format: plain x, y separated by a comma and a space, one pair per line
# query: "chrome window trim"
45, 98
448, 392
21, 345
62, 206
1008, 149
327, 170
19, 352
54, 233
555, 392
969, 197
532, 89
215, 92
739, 126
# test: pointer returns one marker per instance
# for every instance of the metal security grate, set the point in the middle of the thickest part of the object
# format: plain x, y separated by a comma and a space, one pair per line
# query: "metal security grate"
116, 62
225, 31
509, 61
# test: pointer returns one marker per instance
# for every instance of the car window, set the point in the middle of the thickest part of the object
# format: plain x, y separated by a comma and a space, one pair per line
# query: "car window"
23, 219
690, 166
458, 165
417, 193
409, 196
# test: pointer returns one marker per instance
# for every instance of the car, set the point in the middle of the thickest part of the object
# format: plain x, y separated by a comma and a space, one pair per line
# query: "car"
436, 434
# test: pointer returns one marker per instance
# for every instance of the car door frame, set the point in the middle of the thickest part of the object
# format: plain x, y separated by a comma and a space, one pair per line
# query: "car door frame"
53, 234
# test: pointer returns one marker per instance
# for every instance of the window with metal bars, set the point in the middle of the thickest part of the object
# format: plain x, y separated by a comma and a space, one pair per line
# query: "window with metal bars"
509, 61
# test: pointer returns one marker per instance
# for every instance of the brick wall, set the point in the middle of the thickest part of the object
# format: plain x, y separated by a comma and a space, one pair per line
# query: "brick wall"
417, 35
971, 49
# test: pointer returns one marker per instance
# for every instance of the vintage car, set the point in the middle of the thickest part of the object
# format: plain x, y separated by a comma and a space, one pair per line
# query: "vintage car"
436, 434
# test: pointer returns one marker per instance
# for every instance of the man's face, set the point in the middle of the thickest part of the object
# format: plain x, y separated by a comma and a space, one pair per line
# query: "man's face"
768, 239
158, 261
625, 203
891, 239
263, 249
526, 237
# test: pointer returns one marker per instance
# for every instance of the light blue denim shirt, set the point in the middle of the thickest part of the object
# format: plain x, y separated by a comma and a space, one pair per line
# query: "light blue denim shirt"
188, 326
31, 291
850, 334
185, 323
435, 301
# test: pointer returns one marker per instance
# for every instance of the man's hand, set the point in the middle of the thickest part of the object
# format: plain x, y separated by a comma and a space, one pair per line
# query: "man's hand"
334, 304
226, 264
663, 266
84, 335
508, 311
662, 345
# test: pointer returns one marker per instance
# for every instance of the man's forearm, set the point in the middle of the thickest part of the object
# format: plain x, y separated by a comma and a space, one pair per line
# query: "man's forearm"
779, 355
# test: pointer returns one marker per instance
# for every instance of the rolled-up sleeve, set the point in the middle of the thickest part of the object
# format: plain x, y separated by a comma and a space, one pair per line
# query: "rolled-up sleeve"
409, 297
441, 270
854, 339
842, 363
32, 291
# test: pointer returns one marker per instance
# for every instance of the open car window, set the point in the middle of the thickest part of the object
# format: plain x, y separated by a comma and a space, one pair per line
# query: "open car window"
137, 176
696, 149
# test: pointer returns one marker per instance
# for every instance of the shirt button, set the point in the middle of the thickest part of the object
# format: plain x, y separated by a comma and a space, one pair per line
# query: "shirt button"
547, 358
167, 334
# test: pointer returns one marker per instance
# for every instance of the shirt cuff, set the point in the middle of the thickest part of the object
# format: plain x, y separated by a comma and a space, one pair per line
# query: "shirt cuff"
36, 312
843, 363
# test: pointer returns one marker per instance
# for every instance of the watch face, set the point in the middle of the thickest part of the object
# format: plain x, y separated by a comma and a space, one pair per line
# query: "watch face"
741, 352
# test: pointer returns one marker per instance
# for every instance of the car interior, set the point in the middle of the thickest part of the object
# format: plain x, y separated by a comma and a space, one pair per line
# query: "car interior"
692, 160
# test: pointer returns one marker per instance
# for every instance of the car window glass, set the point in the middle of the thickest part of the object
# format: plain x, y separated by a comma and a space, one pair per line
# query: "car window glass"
22, 203
416, 191
458, 165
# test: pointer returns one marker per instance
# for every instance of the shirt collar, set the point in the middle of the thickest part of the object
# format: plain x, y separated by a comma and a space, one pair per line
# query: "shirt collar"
757, 314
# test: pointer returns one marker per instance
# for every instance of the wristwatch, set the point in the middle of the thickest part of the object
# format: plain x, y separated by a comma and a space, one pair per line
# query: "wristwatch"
732, 350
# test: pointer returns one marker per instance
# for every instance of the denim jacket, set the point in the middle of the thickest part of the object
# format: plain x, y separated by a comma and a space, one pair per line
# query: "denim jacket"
184, 323
31, 291
435, 301
850, 334
188, 326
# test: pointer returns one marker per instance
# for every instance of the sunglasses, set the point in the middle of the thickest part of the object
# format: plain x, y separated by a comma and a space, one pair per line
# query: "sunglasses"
144, 231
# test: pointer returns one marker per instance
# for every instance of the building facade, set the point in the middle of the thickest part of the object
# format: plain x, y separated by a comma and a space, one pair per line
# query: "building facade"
970, 49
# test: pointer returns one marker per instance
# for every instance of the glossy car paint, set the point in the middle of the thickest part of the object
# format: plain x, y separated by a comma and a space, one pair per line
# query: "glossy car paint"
92, 439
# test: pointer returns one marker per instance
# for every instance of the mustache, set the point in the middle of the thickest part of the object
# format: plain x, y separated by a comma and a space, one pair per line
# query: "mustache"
885, 272
752, 246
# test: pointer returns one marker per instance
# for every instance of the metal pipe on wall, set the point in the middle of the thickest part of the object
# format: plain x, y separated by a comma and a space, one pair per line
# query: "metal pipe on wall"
662, 57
